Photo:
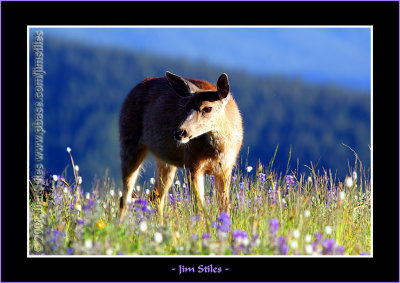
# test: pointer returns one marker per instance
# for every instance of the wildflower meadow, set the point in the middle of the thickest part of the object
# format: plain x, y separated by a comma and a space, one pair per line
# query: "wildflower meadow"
271, 213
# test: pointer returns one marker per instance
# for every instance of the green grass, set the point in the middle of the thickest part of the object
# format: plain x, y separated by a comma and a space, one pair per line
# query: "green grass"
317, 215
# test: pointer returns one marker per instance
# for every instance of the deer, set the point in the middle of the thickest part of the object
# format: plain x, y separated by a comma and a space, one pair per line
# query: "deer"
185, 123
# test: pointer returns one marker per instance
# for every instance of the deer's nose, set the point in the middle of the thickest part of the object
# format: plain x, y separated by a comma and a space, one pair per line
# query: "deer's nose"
179, 134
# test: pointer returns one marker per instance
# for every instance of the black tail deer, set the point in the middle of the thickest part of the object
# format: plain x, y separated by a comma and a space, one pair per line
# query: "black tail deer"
184, 123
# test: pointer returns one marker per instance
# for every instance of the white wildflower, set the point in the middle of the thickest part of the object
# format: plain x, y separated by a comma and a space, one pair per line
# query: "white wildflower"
68, 149
349, 182
120, 193
328, 230
249, 168
152, 180
223, 235
309, 249
307, 213
246, 242
88, 244
87, 195
309, 179
112, 193
296, 234
177, 183
138, 188
158, 237
66, 191
109, 251
342, 195
79, 180
147, 191
76, 168
294, 244
55, 178
143, 226
307, 238
78, 207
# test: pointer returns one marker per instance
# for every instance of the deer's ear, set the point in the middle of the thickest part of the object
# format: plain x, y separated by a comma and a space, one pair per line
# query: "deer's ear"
223, 86
179, 84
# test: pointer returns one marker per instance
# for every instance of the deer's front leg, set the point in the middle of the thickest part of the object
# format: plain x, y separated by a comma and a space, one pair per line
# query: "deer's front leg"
197, 179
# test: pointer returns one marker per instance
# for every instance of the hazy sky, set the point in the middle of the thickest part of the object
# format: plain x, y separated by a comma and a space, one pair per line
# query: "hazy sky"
330, 55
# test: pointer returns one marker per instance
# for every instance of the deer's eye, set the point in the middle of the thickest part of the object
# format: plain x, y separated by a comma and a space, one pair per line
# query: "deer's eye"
207, 109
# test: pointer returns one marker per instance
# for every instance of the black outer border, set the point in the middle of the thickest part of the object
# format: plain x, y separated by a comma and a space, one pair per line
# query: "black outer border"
384, 16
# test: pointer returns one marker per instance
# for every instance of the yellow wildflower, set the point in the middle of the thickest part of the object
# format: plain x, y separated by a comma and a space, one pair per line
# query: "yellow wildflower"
100, 224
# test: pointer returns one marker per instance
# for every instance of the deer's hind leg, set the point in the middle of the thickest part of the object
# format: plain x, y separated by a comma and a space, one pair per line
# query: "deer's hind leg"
165, 178
222, 184
131, 161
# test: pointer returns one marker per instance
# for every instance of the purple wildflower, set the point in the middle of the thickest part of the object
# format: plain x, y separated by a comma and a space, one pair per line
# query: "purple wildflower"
70, 251
239, 234
56, 234
283, 246
318, 237
289, 183
273, 225
89, 205
339, 250
195, 218
262, 178
141, 205
224, 221
58, 199
328, 246
239, 241
205, 236
272, 192
317, 241
71, 206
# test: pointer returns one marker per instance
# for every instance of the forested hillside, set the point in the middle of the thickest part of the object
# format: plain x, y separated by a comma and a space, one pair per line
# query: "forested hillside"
85, 87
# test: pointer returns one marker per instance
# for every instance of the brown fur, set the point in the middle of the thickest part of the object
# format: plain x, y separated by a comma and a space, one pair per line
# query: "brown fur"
151, 113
